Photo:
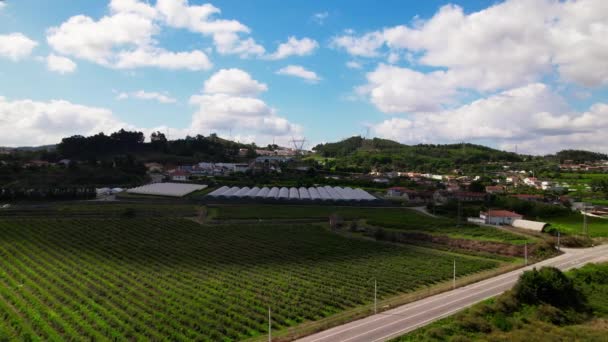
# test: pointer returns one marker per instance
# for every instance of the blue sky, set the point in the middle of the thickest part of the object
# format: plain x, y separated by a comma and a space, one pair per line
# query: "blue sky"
525, 73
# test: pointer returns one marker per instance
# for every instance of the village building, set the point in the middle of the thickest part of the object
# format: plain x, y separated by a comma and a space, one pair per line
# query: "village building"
179, 175
499, 217
495, 189
529, 197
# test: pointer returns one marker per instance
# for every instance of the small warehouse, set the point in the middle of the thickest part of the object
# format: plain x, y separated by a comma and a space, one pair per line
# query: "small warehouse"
530, 225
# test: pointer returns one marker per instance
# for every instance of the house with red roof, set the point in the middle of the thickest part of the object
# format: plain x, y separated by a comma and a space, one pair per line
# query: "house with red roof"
495, 189
530, 197
499, 217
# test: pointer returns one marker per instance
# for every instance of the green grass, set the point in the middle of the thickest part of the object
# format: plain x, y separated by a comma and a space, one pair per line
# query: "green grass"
393, 218
505, 319
573, 225
597, 201
172, 279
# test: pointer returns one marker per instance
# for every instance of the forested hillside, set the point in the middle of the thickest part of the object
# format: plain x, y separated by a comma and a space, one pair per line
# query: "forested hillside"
359, 154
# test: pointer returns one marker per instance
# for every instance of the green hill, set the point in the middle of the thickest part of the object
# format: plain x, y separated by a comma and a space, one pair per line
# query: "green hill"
357, 153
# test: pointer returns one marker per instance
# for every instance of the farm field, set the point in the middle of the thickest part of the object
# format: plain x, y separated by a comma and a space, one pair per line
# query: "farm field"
172, 279
393, 218
573, 224
103, 209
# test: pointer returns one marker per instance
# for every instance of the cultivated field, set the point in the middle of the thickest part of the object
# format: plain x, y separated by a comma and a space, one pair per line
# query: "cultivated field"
573, 224
173, 279
393, 218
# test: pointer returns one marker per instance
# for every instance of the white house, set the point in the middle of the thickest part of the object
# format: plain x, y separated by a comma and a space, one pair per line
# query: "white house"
499, 217
179, 175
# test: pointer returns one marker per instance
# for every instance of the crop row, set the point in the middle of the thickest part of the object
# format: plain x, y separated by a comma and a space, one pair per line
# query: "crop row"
153, 279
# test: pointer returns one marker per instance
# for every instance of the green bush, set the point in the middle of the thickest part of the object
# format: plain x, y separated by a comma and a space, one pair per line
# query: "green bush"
473, 323
502, 322
550, 286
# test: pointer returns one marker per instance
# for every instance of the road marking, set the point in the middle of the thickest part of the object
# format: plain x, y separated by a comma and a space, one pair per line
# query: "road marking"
425, 311
555, 262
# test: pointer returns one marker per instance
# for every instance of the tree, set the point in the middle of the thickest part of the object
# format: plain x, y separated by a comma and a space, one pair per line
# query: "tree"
158, 140
477, 186
158, 137
600, 185
549, 286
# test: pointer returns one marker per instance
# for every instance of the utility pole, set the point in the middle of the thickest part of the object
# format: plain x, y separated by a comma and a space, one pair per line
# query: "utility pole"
269, 326
526, 253
558, 248
585, 221
454, 279
375, 296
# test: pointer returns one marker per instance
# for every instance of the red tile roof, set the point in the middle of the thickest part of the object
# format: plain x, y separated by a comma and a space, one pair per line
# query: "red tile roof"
502, 213
528, 196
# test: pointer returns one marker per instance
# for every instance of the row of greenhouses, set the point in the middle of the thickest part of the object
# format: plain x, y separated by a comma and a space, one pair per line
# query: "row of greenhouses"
319, 193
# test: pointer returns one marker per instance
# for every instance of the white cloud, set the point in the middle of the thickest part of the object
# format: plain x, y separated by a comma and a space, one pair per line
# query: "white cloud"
2, 5
133, 6
126, 37
157, 57
396, 90
301, 72
228, 102
16, 46
295, 47
353, 65
29, 123
60, 64
509, 44
364, 46
233, 82
144, 95
229, 43
320, 17
96, 41
198, 18
123, 40
529, 116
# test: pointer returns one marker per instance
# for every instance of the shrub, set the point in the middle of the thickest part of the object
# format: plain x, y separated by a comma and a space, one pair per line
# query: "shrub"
437, 333
474, 323
550, 286
551, 314
502, 322
506, 303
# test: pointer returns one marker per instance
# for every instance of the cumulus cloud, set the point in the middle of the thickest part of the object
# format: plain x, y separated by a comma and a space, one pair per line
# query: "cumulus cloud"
396, 90
363, 46
528, 116
508, 44
83, 37
144, 95
301, 72
228, 102
16, 46
127, 36
199, 18
161, 58
233, 82
60, 64
28, 122
295, 47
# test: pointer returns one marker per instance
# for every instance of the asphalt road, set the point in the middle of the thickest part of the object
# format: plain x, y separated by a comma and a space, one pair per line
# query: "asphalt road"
403, 319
